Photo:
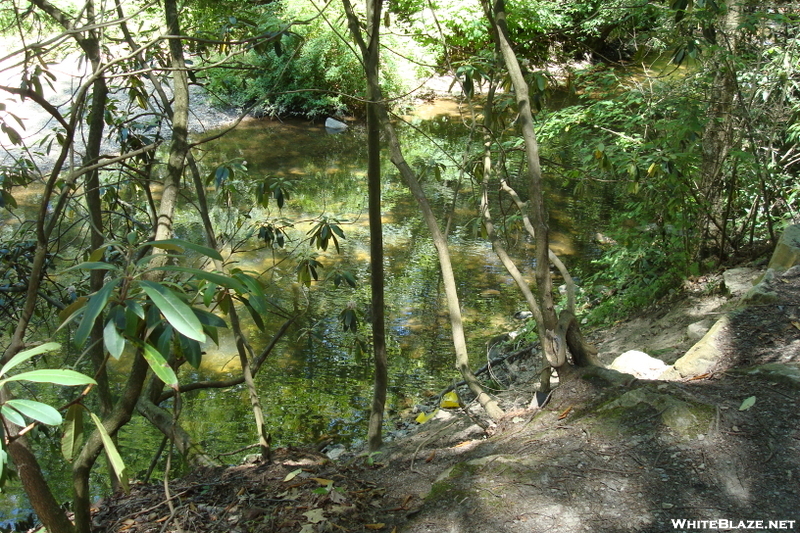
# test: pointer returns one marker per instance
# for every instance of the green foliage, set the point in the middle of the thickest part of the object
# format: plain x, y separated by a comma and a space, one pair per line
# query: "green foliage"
18, 411
634, 273
310, 71
161, 318
349, 318
542, 31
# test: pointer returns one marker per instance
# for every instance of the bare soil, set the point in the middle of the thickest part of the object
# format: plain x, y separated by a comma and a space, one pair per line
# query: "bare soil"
605, 454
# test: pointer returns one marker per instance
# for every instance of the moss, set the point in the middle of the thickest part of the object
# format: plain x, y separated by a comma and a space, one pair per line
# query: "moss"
634, 407
446, 485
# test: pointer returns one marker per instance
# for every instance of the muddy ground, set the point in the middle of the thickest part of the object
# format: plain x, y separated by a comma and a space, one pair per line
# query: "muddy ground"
604, 454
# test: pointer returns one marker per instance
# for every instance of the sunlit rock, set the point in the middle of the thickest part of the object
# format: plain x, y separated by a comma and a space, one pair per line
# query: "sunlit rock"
639, 364
737, 281
787, 252
334, 126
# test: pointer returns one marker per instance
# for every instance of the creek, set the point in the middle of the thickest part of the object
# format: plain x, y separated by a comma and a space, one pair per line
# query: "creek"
317, 384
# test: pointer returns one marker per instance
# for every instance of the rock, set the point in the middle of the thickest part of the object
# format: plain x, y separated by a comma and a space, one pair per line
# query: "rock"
334, 452
787, 252
761, 293
698, 330
703, 356
334, 126
788, 373
737, 281
688, 419
639, 364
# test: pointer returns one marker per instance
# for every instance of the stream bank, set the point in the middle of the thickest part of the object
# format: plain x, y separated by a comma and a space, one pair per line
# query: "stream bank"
604, 454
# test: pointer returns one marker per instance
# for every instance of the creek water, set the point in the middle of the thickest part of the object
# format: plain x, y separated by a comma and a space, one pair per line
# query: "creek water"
316, 384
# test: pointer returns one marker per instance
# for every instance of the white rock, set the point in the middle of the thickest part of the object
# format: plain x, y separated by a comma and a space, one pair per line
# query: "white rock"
334, 126
639, 364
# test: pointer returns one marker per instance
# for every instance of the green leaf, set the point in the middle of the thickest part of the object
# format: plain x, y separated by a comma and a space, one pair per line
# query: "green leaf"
92, 265
163, 336
38, 411
12, 416
747, 403
214, 277
254, 314
255, 292
23, 356
3, 462
56, 376
209, 320
93, 309
160, 366
73, 432
113, 455
192, 352
114, 342
177, 313
179, 245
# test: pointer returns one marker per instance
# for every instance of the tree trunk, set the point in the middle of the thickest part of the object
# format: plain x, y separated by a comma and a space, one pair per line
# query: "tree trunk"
439, 241
82, 464
179, 146
44, 504
554, 340
718, 135
255, 403
371, 65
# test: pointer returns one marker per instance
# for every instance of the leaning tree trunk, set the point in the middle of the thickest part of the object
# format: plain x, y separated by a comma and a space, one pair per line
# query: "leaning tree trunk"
179, 146
557, 334
439, 240
544, 283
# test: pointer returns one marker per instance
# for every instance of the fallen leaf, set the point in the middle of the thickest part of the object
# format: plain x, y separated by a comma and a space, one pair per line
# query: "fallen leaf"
564, 413
747, 403
322, 481
289, 495
315, 516
431, 456
308, 528
291, 475
337, 497
796, 324
374, 526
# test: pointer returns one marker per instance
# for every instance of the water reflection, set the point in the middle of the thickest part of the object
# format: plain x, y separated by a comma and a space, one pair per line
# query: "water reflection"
316, 385
316, 372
